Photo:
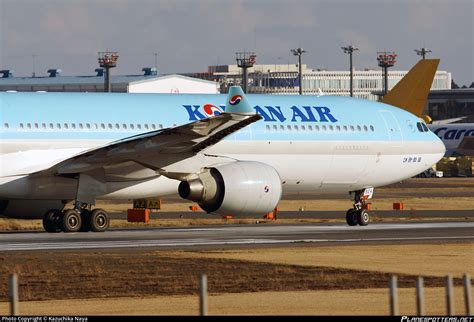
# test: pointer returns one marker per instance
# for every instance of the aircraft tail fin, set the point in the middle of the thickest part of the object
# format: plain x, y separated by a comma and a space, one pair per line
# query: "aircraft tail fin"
237, 102
411, 91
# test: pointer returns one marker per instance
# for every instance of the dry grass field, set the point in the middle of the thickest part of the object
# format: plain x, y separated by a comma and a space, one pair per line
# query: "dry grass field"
289, 280
328, 302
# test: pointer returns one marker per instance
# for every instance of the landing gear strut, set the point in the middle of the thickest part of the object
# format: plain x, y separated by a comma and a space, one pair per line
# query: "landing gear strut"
74, 220
358, 215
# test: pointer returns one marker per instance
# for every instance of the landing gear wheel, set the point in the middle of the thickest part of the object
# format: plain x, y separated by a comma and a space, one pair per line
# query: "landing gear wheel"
71, 221
351, 217
99, 220
51, 221
86, 221
363, 217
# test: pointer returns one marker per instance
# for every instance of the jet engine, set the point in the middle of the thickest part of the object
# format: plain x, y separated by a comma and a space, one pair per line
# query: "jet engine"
241, 187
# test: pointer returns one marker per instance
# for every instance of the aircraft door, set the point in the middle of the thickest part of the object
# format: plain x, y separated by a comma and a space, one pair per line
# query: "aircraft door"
393, 128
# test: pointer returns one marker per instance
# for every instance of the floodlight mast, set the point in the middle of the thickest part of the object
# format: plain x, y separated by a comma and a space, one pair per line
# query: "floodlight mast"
386, 59
422, 52
107, 60
245, 60
349, 50
299, 52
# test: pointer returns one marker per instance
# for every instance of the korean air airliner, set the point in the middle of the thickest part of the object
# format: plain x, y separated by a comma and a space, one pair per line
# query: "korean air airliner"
234, 154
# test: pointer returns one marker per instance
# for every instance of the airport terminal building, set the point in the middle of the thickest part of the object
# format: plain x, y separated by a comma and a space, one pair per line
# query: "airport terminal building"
283, 79
148, 82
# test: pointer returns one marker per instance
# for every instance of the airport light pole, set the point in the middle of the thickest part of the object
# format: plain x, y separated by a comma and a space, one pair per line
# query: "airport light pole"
349, 50
107, 60
386, 60
422, 52
245, 60
299, 52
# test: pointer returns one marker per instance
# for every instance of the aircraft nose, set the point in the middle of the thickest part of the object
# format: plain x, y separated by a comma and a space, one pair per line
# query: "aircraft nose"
438, 146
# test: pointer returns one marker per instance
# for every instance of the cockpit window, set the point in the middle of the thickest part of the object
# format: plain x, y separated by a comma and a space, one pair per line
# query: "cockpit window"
419, 126
425, 127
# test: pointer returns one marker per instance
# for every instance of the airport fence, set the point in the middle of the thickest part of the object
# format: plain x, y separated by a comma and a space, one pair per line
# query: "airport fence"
393, 291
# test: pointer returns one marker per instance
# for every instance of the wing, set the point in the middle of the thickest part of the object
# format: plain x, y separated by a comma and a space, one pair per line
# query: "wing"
170, 145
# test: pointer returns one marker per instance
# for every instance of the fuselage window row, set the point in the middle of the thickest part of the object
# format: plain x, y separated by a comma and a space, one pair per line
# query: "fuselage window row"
85, 126
322, 128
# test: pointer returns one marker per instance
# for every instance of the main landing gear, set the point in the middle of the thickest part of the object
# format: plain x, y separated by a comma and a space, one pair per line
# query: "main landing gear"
358, 215
74, 220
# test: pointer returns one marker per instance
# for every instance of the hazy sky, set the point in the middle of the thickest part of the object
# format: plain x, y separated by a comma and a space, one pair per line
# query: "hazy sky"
190, 35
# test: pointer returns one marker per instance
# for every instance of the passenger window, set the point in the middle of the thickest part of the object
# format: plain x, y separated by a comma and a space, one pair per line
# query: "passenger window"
288, 127
275, 127
65, 125
73, 125
117, 126
124, 126
6, 125
161, 126
139, 126
316, 127
371, 128
28, 125
102, 125
282, 127
365, 128
21, 126
132, 126
36, 125
110, 126
81, 126
352, 128
88, 126
310, 128
345, 128
296, 127
359, 128
338, 128
58, 125
153, 126
268, 127
324, 127
146, 126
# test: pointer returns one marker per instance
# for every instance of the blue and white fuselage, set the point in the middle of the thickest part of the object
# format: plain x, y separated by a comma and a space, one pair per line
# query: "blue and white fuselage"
317, 144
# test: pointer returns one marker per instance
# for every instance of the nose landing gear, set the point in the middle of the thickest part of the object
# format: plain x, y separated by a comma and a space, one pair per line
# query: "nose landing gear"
358, 215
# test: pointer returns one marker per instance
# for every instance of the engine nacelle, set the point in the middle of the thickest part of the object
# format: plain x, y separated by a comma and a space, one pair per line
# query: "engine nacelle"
241, 187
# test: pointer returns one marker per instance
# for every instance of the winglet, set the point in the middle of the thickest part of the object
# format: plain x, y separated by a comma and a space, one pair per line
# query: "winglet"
237, 102
411, 91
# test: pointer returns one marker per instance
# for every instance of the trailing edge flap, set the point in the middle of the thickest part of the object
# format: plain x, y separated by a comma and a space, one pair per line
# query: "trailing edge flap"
411, 91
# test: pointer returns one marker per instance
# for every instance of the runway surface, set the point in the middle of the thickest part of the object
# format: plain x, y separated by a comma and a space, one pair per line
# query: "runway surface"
242, 235
317, 214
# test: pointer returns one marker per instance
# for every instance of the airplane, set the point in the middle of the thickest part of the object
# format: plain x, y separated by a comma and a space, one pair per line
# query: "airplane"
232, 155
457, 137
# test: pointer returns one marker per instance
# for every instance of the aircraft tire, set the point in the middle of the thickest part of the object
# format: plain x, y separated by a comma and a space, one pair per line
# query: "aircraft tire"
51, 221
71, 221
351, 217
363, 217
99, 220
86, 221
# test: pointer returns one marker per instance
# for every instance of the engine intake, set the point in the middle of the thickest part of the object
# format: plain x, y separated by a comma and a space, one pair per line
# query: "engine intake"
241, 187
